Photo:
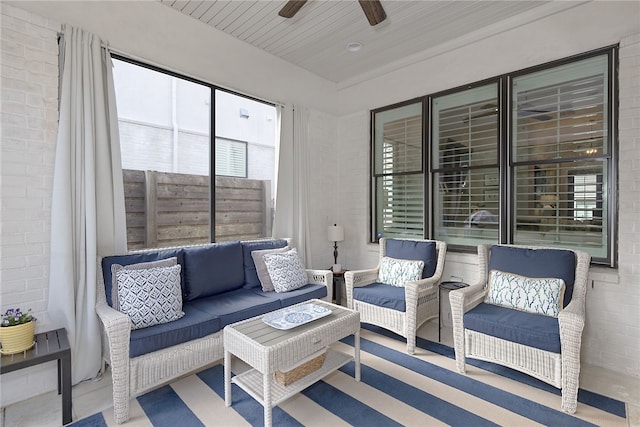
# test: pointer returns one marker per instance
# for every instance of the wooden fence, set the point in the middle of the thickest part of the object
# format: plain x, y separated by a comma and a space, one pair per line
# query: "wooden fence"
170, 209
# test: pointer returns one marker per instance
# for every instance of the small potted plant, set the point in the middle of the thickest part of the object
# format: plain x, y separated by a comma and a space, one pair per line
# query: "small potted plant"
17, 331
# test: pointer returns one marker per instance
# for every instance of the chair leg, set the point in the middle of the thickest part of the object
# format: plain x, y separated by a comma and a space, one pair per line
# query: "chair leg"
570, 375
411, 344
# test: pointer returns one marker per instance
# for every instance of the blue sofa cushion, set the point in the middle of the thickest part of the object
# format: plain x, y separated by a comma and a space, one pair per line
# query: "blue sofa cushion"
416, 251
236, 305
296, 296
251, 279
213, 269
530, 329
536, 263
129, 259
381, 295
193, 325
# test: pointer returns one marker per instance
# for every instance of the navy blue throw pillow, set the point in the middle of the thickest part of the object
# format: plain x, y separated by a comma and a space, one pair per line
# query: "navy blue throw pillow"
414, 251
536, 263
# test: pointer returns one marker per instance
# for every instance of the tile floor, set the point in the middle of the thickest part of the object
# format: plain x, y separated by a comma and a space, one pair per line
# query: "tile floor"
92, 397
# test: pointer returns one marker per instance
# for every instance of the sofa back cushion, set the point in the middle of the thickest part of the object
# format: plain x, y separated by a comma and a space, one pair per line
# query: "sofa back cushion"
536, 263
415, 251
251, 279
212, 269
137, 258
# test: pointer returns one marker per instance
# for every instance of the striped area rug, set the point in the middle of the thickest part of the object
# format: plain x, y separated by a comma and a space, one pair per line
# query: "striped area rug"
396, 389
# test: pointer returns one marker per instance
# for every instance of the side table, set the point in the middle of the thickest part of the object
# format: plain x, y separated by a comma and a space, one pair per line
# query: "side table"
51, 345
445, 288
339, 292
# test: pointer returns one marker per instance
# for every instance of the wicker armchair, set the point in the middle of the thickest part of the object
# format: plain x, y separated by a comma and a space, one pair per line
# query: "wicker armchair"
559, 368
420, 299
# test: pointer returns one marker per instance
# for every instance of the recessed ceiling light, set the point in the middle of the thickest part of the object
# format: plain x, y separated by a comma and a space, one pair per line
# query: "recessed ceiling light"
354, 46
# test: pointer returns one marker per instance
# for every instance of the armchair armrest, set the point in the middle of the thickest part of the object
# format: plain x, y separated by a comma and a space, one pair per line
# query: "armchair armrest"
356, 278
464, 299
571, 320
117, 328
421, 287
322, 277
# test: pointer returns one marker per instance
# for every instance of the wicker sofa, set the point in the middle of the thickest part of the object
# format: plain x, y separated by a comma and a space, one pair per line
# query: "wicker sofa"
546, 347
220, 286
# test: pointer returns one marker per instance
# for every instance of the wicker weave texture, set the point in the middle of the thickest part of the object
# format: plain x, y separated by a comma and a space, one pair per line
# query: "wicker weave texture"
561, 370
268, 350
132, 376
422, 298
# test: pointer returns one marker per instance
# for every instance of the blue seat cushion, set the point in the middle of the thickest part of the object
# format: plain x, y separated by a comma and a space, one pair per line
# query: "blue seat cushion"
536, 263
213, 269
530, 329
415, 251
295, 296
381, 295
193, 325
129, 259
251, 279
236, 305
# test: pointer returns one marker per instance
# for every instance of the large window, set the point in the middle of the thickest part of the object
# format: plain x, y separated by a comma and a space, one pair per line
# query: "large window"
398, 180
465, 166
192, 176
561, 153
525, 158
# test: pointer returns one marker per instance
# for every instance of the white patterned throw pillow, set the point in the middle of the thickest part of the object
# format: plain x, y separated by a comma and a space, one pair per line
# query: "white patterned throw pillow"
286, 270
115, 303
397, 272
535, 295
150, 296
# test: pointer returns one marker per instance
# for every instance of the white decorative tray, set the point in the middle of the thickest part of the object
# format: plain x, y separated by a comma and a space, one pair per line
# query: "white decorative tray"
295, 316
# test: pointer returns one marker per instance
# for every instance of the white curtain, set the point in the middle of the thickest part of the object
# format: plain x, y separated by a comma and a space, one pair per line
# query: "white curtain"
292, 182
87, 212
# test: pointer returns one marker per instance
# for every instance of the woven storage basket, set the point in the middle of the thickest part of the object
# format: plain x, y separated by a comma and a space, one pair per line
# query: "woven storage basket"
293, 375
18, 338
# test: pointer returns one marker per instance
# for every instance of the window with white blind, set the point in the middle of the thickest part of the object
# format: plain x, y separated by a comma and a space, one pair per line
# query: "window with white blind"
526, 158
562, 156
231, 158
398, 179
465, 165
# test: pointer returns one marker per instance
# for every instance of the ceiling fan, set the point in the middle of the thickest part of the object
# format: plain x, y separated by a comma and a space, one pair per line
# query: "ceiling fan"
372, 9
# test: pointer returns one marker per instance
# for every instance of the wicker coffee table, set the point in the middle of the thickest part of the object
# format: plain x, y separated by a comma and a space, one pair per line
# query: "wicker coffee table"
269, 350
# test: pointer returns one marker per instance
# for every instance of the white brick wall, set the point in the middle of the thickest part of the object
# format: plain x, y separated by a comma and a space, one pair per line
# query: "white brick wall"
612, 333
29, 104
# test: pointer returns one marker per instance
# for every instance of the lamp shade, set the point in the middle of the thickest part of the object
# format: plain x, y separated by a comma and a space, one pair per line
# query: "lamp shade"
335, 233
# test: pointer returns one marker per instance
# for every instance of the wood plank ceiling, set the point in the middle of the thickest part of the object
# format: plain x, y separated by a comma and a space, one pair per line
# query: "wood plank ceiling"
317, 37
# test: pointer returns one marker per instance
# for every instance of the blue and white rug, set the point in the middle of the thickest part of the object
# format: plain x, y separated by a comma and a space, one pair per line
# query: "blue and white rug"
396, 389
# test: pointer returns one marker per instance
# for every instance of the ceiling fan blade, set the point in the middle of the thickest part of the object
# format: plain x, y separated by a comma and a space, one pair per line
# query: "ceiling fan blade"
373, 10
291, 8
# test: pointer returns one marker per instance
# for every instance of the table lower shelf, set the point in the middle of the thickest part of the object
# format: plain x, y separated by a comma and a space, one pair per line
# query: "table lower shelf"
251, 380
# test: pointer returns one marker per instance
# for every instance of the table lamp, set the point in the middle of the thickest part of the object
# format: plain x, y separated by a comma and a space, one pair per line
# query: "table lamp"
336, 234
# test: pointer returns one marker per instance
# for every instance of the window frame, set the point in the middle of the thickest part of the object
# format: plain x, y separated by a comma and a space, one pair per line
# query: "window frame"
374, 236
212, 125
506, 164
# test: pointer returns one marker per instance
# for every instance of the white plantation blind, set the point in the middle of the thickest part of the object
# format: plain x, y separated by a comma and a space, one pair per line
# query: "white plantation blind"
398, 174
231, 158
465, 159
561, 158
